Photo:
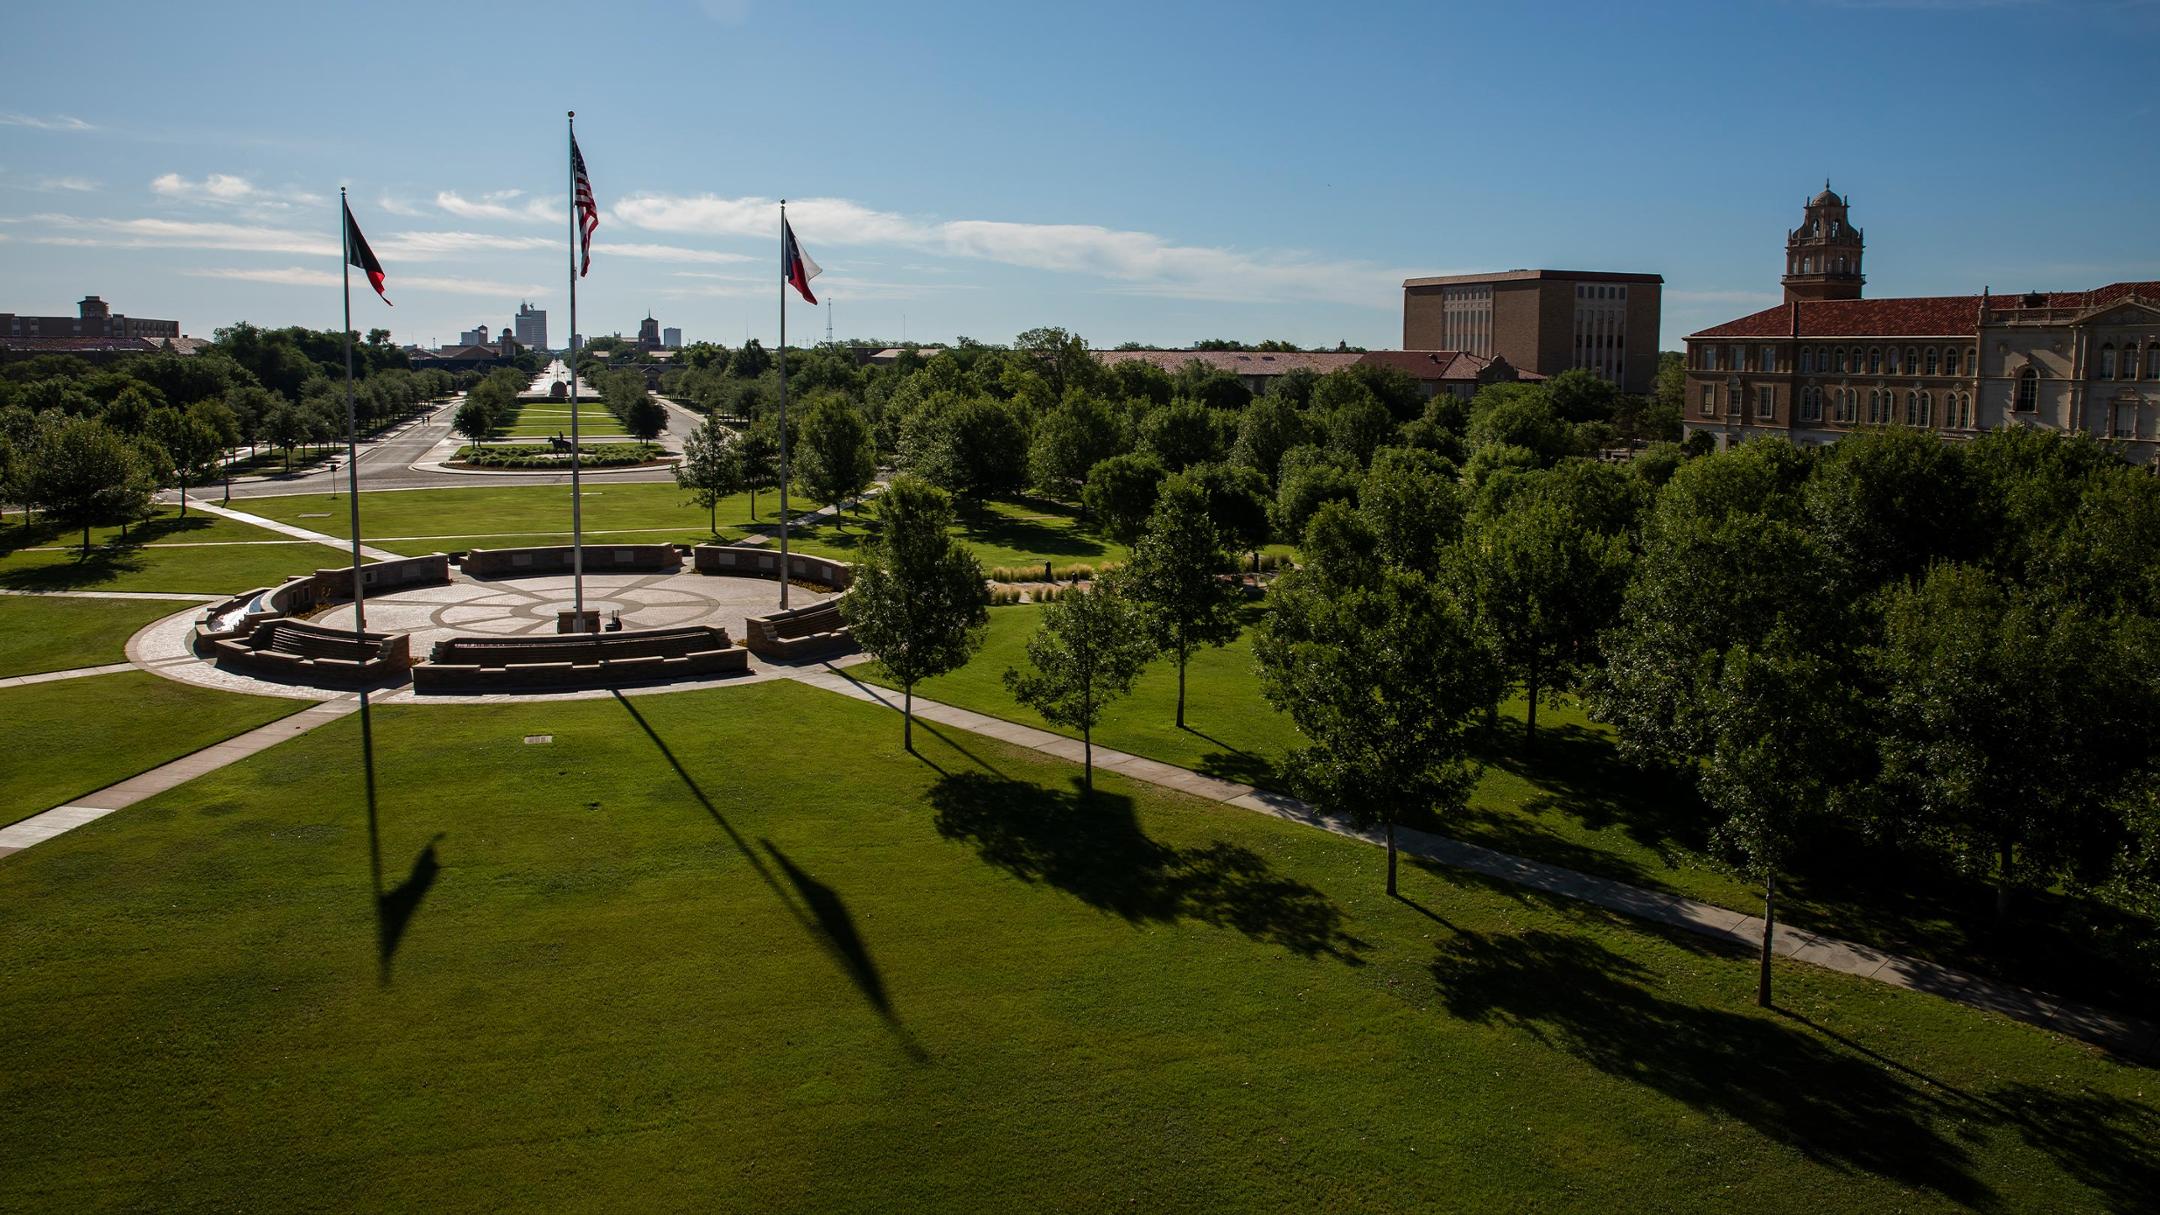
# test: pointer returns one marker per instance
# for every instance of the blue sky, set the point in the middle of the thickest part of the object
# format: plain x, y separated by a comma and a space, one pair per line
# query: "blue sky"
1155, 172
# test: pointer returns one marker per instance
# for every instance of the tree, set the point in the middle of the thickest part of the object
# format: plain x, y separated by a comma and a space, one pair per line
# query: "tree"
1311, 478
757, 451
710, 469
1086, 653
1181, 434
1270, 426
1238, 501
918, 603
1410, 502
1071, 440
971, 446
1120, 492
835, 458
1579, 395
1779, 719
2012, 728
191, 442
475, 419
1174, 574
644, 417
1382, 671
86, 473
1545, 583
286, 427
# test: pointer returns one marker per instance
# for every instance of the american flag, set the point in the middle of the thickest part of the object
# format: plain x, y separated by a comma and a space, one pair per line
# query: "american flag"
588, 213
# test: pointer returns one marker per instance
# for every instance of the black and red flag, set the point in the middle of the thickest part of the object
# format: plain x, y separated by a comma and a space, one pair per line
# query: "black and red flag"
359, 255
588, 212
795, 265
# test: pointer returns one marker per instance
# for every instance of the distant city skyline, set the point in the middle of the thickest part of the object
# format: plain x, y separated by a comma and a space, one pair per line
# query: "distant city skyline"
1284, 191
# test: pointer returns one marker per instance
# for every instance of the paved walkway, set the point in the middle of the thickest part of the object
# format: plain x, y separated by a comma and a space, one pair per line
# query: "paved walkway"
2125, 1036
20, 681
87, 809
143, 595
298, 533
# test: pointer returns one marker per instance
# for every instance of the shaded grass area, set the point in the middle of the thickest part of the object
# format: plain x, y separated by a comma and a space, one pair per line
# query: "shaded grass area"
1017, 532
670, 954
1571, 800
76, 736
198, 554
58, 634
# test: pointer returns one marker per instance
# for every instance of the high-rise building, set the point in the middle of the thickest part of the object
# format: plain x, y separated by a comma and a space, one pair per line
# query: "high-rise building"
1545, 321
475, 337
530, 326
648, 333
1827, 362
671, 338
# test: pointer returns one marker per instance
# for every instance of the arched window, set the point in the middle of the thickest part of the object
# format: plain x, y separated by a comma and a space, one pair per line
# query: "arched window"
1950, 361
1912, 361
1842, 365
1807, 361
1933, 367
1841, 265
2107, 361
1874, 406
2152, 360
1874, 360
2028, 391
1912, 408
1927, 409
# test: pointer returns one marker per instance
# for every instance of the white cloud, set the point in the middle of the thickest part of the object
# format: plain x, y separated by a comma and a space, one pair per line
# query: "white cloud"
423, 245
671, 253
55, 122
1139, 262
231, 190
304, 276
500, 204
66, 185
178, 234
397, 206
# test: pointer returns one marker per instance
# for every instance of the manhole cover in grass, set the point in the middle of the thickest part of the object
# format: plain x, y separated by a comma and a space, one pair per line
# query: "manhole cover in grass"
535, 740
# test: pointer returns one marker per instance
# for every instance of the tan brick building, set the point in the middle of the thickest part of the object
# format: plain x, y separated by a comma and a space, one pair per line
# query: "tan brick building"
1827, 362
1543, 321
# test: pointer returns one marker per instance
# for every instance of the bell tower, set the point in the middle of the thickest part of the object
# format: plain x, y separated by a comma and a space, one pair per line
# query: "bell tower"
1822, 255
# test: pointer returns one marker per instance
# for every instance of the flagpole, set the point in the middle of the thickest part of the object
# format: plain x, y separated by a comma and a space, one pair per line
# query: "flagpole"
577, 500
352, 430
783, 407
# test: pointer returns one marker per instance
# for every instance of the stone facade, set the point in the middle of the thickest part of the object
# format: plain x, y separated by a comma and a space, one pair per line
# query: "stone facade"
1825, 363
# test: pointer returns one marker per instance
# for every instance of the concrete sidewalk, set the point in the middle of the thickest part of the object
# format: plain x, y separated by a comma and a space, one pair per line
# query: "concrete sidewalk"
23, 681
2122, 1035
286, 529
91, 807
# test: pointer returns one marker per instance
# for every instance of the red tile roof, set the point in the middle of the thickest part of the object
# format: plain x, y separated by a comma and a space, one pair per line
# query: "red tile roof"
1914, 316
1453, 366
1236, 362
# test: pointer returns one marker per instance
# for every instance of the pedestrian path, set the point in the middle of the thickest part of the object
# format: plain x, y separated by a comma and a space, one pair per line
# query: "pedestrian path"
21, 681
168, 596
2125, 1036
298, 533
91, 807
819, 515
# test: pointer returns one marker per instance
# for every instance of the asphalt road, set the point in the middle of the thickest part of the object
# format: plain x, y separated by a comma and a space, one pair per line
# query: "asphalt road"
387, 462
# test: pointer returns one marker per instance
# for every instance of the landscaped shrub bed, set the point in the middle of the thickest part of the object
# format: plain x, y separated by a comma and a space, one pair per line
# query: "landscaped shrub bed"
602, 455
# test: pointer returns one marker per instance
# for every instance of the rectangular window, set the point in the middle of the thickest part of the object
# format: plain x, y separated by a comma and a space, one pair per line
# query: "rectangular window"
1769, 359
1709, 400
1765, 402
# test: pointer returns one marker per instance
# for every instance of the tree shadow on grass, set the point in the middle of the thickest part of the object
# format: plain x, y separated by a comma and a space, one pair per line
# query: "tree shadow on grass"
1233, 764
1573, 994
1579, 772
827, 920
1093, 849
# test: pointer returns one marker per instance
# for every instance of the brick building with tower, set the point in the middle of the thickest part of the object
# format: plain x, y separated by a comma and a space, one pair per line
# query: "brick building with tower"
1827, 361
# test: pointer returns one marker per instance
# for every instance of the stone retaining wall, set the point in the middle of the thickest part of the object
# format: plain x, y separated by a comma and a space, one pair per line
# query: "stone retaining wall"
798, 633
555, 559
587, 660
294, 651
727, 559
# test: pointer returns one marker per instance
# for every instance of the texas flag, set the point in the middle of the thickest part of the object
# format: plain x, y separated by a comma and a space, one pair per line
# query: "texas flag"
795, 265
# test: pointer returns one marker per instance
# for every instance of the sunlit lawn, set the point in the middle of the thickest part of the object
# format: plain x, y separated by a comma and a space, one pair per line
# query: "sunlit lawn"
76, 736
199, 554
547, 418
39, 633
680, 958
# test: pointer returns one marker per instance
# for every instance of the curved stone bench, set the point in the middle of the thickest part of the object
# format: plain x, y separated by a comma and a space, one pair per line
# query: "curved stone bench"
236, 618
555, 559
799, 633
727, 559
578, 660
295, 651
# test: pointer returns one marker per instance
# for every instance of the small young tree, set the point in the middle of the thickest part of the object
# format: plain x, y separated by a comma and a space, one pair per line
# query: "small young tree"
757, 451
1085, 654
918, 603
475, 419
835, 458
191, 442
1174, 575
710, 468
644, 417
1383, 671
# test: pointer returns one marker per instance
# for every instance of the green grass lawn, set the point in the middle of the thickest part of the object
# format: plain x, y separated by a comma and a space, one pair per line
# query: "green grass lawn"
76, 736
671, 960
415, 522
56, 634
535, 419
199, 554
1570, 800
